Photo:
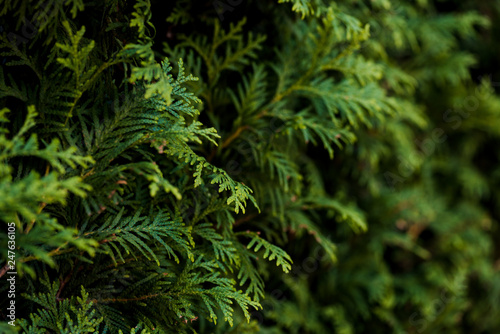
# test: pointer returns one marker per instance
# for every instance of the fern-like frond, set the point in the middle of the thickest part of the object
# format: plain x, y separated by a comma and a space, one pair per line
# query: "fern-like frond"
270, 251
129, 234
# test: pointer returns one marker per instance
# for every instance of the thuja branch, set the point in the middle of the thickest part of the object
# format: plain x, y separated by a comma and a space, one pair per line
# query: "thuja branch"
52, 253
126, 300
59, 250
42, 206
242, 128
88, 85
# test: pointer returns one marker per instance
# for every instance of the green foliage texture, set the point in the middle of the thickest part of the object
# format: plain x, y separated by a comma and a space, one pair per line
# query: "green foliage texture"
244, 166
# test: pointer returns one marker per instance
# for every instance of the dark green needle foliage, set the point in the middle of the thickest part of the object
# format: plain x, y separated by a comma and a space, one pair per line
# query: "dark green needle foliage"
290, 166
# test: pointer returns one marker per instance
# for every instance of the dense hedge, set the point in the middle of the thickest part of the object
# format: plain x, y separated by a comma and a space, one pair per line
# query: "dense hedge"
290, 166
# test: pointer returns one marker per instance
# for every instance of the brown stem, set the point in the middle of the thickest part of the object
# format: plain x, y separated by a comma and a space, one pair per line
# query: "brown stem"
125, 300
56, 251
90, 172
4, 270
234, 136
242, 128
66, 280
244, 219
32, 223
228, 141
212, 154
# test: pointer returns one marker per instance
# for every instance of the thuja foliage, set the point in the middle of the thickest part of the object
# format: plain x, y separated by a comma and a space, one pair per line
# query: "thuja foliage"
250, 166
